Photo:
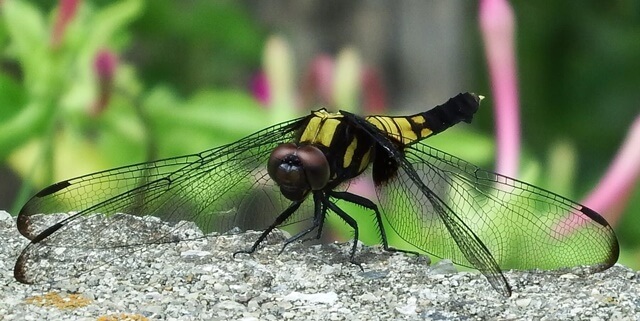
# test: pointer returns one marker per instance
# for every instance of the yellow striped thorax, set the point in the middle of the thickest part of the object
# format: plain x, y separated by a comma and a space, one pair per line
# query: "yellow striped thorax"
330, 130
321, 128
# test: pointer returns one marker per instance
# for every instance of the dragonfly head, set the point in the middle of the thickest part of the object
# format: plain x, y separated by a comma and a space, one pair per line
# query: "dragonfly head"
298, 169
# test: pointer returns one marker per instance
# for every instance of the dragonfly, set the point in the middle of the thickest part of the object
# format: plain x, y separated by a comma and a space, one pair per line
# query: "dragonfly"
297, 173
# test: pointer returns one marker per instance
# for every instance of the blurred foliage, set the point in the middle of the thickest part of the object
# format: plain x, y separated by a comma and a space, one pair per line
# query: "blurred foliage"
576, 63
51, 124
199, 43
184, 67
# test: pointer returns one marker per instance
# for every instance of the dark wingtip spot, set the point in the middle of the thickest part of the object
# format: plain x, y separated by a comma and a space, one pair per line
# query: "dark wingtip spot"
44, 234
33, 206
19, 272
53, 188
614, 252
24, 225
594, 216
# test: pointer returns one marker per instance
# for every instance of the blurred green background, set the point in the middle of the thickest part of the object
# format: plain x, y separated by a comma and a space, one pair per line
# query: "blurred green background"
119, 82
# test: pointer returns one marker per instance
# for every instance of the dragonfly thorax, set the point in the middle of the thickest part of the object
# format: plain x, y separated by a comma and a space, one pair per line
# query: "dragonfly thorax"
298, 169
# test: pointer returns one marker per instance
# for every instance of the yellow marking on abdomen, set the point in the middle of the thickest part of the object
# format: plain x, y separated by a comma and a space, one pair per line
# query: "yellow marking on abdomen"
425, 132
418, 119
397, 127
381, 122
406, 132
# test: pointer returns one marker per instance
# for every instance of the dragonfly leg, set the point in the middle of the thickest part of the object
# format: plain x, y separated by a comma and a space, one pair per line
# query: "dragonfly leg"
298, 236
318, 220
279, 220
367, 203
352, 223
320, 223
318, 235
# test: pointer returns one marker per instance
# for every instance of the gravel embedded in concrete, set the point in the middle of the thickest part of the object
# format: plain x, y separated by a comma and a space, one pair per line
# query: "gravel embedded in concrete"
203, 281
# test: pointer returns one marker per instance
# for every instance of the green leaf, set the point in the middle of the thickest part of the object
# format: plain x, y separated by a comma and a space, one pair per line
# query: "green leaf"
110, 21
18, 129
207, 120
12, 97
25, 26
29, 39
472, 147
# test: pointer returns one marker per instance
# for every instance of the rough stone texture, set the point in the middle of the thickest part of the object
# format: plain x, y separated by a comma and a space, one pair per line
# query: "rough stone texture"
203, 281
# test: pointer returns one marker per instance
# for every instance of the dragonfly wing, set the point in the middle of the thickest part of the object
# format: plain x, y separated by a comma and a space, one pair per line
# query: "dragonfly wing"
422, 219
116, 211
524, 226
449, 208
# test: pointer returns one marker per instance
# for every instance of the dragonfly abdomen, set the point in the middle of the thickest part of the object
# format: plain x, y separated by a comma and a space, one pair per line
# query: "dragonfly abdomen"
409, 129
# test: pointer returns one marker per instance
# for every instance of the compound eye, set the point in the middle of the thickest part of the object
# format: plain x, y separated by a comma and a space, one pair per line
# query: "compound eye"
298, 169
278, 156
315, 165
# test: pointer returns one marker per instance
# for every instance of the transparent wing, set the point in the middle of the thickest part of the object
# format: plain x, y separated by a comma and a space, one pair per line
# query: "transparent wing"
115, 212
442, 205
450, 208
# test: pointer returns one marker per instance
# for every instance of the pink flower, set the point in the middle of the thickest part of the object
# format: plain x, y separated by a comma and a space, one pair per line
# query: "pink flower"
260, 88
497, 26
66, 11
612, 192
317, 83
374, 95
104, 66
